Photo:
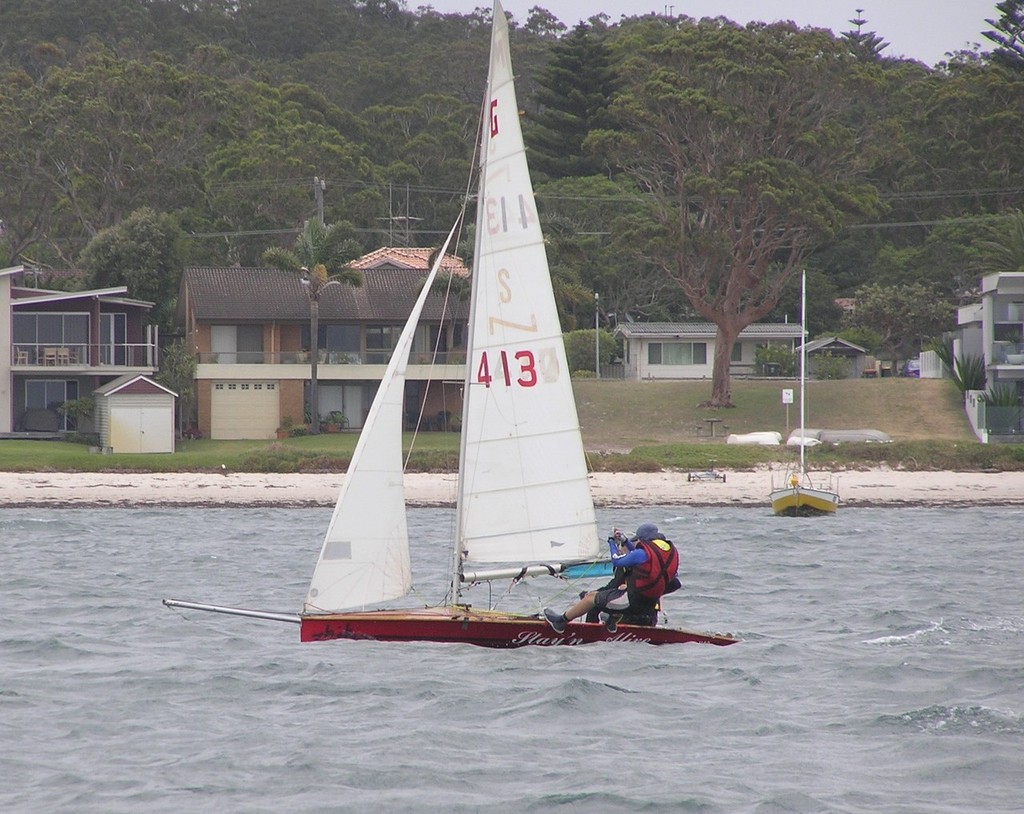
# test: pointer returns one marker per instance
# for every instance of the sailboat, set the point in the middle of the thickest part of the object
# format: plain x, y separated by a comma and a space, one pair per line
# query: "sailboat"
799, 495
523, 490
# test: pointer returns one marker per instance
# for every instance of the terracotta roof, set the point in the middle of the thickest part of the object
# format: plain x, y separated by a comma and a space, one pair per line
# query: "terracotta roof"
400, 257
680, 330
259, 294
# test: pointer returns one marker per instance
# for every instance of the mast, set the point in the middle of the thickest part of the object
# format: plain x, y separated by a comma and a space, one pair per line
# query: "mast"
468, 383
803, 364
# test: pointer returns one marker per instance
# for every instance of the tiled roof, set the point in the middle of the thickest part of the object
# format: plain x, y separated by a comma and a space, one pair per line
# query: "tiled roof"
259, 294
680, 330
400, 257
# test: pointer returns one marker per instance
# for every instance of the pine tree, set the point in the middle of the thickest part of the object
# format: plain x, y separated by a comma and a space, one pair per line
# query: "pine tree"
865, 45
575, 90
1009, 34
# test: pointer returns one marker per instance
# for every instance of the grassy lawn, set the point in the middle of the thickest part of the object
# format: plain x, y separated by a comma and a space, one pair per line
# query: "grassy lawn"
627, 426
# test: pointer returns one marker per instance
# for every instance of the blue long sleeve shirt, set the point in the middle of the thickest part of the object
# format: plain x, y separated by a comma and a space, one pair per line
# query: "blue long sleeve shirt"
635, 555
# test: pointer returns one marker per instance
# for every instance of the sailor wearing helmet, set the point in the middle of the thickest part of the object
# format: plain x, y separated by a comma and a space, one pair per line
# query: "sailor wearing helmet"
646, 568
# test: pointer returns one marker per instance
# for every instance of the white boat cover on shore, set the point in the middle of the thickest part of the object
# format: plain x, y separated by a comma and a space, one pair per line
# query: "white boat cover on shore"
813, 437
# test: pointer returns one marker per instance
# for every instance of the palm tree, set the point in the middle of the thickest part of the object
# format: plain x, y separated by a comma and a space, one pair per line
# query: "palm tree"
1004, 250
318, 248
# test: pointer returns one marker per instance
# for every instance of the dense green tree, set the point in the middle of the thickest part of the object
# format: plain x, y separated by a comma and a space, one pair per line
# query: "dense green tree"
543, 23
597, 233
112, 136
958, 139
905, 317
823, 315
262, 178
143, 253
423, 148
26, 204
574, 91
178, 373
739, 136
948, 261
222, 112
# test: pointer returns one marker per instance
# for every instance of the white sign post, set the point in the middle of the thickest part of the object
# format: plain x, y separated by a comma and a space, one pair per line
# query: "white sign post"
787, 399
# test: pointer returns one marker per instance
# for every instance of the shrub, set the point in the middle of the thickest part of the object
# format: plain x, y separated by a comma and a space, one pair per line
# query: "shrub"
828, 366
579, 348
779, 355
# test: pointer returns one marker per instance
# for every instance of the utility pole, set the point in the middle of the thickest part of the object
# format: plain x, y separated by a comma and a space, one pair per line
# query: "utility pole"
597, 337
318, 192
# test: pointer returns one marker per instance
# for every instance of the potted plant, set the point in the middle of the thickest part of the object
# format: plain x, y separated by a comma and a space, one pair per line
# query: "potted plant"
285, 430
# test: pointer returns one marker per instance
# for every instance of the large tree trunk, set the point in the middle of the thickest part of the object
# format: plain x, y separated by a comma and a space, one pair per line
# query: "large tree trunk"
721, 381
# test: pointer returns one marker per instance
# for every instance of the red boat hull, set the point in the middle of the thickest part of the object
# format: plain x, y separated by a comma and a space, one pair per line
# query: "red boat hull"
485, 629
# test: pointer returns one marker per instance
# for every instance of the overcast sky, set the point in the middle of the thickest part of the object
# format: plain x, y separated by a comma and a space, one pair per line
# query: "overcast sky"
920, 29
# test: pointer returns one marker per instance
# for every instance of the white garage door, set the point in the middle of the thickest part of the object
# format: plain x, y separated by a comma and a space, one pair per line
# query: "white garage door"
244, 410
141, 429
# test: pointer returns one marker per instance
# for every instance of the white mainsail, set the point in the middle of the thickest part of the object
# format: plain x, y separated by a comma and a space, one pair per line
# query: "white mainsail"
365, 555
523, 488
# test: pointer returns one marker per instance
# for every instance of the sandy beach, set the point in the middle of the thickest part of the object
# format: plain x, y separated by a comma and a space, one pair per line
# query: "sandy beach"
878, 487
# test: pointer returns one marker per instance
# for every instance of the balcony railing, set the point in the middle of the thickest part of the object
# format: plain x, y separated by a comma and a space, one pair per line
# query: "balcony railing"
47, 355
325, 357
1006, 353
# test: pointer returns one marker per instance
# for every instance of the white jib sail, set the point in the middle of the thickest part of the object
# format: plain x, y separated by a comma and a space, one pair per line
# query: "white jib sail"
524, 493
365, 556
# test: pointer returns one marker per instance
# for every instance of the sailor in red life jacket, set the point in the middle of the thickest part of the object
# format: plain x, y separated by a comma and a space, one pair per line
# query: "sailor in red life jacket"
650, 564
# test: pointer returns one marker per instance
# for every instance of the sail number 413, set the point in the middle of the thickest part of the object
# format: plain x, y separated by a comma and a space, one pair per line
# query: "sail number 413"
522, 369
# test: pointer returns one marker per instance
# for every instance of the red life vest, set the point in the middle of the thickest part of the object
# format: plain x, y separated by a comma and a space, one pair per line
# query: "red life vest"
652, 578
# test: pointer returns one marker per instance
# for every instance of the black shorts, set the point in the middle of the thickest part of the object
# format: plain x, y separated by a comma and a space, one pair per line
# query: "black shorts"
613, 600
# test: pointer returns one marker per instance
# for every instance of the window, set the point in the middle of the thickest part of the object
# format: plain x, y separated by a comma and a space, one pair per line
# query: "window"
237, 344
737, 352
49, 394
340, 338
380, 341
250, 344
51, 329
113, 338
677, 353
381, 337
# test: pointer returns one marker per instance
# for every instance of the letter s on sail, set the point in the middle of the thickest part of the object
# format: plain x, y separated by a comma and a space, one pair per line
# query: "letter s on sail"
506, 289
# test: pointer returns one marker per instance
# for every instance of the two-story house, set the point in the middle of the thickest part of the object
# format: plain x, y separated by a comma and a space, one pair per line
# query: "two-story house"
250, 329
58, 346
993, 330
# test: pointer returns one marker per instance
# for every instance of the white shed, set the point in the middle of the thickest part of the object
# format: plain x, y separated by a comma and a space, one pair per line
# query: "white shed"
135, 414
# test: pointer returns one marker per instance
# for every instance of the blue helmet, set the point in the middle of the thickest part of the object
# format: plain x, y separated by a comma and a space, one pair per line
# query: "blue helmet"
646, 531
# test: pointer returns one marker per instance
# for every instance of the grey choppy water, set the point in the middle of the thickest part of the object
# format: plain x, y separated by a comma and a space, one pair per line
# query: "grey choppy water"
881, 671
